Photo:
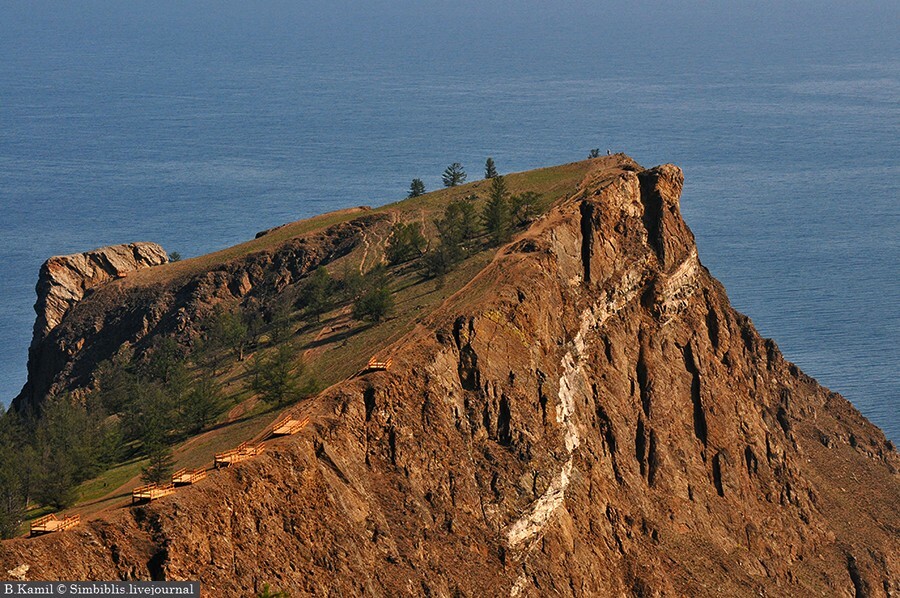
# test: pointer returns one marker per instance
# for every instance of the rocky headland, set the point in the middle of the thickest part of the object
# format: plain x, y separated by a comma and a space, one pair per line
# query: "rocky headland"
586, 416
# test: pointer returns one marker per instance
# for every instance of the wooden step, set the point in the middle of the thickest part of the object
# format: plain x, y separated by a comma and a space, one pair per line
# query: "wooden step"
289, 425
151, 492
50, 523
183, 477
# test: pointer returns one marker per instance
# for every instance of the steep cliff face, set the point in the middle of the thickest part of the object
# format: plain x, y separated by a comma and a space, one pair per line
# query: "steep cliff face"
63, 280
73, 336
587, 417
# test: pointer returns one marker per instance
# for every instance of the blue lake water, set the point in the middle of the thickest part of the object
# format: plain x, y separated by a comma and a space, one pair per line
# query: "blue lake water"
198, 126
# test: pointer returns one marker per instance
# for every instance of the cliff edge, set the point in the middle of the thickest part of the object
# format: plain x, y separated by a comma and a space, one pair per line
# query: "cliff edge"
64, 280
587, 416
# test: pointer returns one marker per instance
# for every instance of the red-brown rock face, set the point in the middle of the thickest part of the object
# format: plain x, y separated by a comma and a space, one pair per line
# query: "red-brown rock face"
64, 280
588, 417
72, 336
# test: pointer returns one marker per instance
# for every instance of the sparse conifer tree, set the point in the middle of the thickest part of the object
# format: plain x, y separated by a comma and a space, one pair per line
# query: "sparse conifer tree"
67, 442
406, 242
456, 228
490, 171
375, 305
439, 260
13, 476
160, 464
316, 293
277, 377
454, 175
280, 320
165, 361
229, 330
496, 212
416, 188
459, 223
523, 207
202, 404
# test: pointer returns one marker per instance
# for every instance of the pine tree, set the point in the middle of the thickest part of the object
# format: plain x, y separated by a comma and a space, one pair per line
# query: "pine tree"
458, 226
160, 465
374, 305
12, 504
416, 188
165, 360
231, 331
276, 377
280, 319
523, 207
454, 175
203, 403
117, 380
496, 212
405, 243
316, 293
490, 171
439, 260
67, 441
13, 474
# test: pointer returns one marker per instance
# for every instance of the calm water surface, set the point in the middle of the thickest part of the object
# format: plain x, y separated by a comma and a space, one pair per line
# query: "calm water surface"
198, 130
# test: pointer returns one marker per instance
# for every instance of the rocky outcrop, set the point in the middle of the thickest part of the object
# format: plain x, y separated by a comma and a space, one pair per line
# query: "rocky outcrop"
72, 336
587, 417
63, 280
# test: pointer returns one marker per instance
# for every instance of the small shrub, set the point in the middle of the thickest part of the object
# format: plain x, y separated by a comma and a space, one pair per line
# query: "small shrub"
375, 305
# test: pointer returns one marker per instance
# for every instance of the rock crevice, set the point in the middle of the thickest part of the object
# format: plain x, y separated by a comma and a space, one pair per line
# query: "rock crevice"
623, 431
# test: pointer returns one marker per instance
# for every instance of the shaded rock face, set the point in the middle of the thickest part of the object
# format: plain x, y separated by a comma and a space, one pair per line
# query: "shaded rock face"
73, 336
63, 280
588, 417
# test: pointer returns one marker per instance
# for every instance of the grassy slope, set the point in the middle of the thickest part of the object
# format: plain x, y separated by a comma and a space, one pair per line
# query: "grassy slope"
552, 183
335, 347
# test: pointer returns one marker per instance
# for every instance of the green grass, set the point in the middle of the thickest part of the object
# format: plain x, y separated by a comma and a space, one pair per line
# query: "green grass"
191, 266
552, 183
341, 353
109, 480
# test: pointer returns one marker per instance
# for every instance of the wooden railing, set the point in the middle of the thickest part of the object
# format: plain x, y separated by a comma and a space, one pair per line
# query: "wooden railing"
50, 523
151, 492
188, 476
380, 365
243, 452
376, 366
289, 425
